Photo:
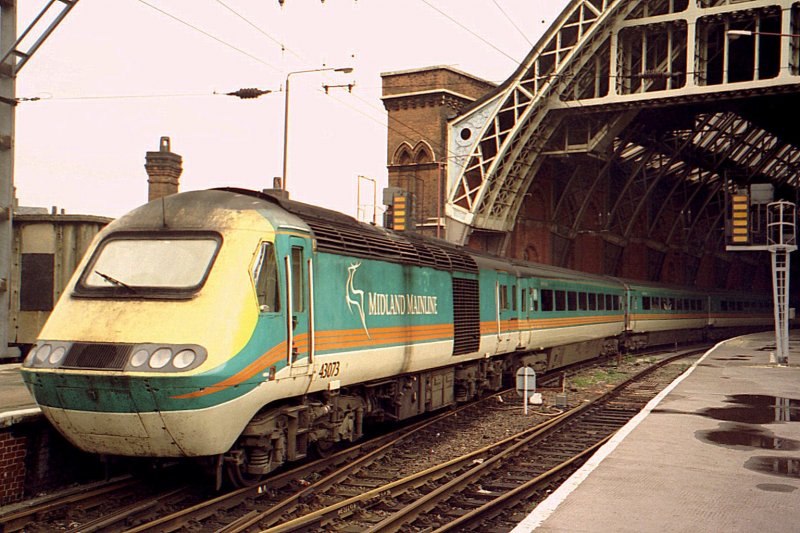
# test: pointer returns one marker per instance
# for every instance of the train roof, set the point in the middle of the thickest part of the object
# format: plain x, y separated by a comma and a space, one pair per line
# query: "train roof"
338, 233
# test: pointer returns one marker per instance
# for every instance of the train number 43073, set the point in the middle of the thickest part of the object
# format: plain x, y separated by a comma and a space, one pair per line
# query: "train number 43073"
329, 370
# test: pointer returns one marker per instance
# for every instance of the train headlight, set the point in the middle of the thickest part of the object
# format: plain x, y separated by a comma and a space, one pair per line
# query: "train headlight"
57, 355
47, 354
43, 352
184, 358
160, 358
165, 358
139, 358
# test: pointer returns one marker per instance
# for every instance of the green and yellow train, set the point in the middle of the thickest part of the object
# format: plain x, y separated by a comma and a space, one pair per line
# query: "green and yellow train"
250, 331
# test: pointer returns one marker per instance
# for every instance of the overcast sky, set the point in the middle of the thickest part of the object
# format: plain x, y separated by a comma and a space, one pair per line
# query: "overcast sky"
118, 74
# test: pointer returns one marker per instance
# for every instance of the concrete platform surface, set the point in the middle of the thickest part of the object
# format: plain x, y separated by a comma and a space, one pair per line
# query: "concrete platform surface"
719, 450
16, 403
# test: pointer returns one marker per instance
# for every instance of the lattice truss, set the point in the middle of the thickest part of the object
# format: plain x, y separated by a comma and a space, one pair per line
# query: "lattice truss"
618, 57
684, 170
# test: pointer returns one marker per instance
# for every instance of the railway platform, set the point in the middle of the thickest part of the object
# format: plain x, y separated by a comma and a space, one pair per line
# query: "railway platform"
718, 450
16, 403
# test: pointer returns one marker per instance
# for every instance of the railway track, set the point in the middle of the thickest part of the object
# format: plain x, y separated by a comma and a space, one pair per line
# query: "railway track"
361, 488
296, 491
77, 501
495, 494
368, 493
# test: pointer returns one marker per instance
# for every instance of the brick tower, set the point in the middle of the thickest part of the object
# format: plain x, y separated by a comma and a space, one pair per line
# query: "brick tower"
420, 102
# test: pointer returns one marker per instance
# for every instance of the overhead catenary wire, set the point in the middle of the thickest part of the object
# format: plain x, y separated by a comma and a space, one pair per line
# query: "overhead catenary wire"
468, 30
209, 35
444, 149
258, 29
503, 11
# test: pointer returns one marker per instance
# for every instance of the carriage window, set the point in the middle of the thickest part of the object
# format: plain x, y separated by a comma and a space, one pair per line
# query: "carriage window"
592, 301
572, 301
503, 297
583, 303
297, 280
533, 295
548, 303
265, 275
513, 297
609, 302
645, 302
679, 304
601, 302
561, 301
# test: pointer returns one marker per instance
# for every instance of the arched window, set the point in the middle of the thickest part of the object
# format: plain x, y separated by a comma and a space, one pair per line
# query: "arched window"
423, 153
402, 156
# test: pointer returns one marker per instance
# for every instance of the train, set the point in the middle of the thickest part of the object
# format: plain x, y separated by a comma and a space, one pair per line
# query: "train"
248, 330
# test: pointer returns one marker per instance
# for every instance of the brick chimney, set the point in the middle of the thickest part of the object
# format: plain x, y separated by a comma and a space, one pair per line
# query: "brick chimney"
163, 171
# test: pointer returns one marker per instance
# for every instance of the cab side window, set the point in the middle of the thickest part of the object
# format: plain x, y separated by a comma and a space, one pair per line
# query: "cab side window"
265, 274
298, 283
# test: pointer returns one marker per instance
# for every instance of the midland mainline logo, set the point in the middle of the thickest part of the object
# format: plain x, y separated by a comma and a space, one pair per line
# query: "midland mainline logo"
382, 304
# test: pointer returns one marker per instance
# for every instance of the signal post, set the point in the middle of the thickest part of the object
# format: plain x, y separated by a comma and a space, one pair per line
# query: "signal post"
746, 233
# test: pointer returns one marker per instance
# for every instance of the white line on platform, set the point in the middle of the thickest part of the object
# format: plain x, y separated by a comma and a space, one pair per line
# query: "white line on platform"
543, 511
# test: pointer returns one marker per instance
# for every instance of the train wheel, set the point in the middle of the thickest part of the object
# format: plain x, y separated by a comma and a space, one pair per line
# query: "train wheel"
322, 448
240, 462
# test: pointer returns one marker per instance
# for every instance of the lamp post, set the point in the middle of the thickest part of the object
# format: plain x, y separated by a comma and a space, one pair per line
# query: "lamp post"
751, 33
345, 70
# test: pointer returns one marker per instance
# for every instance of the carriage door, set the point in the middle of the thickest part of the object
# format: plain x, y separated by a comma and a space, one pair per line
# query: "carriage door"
525, 312
507, 305
300, 326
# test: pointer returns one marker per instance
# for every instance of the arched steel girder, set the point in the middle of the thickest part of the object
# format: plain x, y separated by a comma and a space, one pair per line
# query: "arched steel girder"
685, 210
485, 182
712, 208
563, 201
602, 175
590, 57
682, 182
663, 172
615, 222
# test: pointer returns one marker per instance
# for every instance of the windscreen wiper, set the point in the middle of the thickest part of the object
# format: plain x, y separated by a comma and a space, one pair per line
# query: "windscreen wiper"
115, 281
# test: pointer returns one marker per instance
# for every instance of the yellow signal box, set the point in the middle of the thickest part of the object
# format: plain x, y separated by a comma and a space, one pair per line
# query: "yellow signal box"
740, 219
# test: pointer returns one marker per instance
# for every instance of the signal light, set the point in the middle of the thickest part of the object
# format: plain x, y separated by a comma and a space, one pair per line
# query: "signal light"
400, 206
740, 219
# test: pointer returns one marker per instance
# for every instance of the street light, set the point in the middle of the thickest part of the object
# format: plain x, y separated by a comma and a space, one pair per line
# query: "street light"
751, 33
345, 70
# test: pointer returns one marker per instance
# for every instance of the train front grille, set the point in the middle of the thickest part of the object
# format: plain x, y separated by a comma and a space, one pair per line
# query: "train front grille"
97, 356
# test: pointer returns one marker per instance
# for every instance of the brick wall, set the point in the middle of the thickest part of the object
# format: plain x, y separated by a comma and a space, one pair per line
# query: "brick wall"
419, 103
12, 466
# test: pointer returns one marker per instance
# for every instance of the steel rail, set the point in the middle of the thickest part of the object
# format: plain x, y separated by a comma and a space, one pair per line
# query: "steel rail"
119, 515
410, 512
356, 457
18, 519
403, 485
519, 492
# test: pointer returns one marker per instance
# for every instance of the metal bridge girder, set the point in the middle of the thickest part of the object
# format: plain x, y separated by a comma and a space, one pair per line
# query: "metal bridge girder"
605, 53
